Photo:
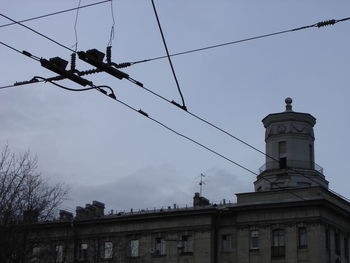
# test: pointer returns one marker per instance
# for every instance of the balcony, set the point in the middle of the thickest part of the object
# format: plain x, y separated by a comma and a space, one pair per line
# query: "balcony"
291, 164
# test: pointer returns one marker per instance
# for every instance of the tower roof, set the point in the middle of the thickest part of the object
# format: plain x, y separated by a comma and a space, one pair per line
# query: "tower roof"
289, 115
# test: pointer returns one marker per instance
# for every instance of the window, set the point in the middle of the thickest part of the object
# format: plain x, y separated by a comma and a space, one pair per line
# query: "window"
226, 243
159, 246
278, 248
346, 249
327, 234
311, 156
302, 237
83, 251
107, 250
36, 253
59, 254
282, 154
187, 244
282, 149
254, 239
337, 242
134, 248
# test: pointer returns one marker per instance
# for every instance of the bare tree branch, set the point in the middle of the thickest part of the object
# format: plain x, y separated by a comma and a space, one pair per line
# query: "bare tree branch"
24, 198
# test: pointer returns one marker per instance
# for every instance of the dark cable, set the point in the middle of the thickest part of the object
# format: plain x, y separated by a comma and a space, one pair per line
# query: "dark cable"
63, 87
172, 102
98, 88
36, 32
167, 52
243, 40
55, 13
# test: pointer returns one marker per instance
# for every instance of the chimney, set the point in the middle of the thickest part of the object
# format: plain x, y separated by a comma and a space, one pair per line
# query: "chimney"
90, 210
99, 208
80, 212
96, 209
200, 200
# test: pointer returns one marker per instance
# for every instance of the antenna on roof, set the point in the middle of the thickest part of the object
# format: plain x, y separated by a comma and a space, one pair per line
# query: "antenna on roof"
201, 184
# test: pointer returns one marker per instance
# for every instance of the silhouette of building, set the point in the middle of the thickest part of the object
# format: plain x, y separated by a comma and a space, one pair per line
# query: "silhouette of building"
291, 217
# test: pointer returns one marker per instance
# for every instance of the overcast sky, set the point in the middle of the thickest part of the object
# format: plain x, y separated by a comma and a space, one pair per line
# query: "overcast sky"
106, 152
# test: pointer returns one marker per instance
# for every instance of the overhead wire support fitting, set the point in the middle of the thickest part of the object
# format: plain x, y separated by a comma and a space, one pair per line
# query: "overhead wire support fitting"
95, 58
109, 55
73, 62
58, 65
326, 23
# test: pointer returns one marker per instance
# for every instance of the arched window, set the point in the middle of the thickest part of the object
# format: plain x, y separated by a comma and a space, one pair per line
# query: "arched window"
254, 239
302, 237
278, 246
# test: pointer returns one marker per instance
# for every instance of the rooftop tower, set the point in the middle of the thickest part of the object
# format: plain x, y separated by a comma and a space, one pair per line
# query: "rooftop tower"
290, 154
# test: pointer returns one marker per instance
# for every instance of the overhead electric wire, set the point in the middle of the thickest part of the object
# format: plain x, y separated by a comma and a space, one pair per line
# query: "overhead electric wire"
167, 52
318, 25
98, 88
55, 13
192, 114
36, 32
172, 102
61, 86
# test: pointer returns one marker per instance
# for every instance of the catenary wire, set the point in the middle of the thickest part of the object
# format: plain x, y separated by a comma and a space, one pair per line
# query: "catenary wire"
318, 25
192, 114
55, 13
36, 32
167, 52
206, 122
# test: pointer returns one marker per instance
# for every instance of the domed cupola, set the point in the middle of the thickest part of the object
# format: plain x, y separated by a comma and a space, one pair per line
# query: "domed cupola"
290, 158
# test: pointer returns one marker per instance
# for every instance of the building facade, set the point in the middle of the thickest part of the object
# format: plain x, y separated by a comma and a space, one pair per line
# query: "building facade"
291, 217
